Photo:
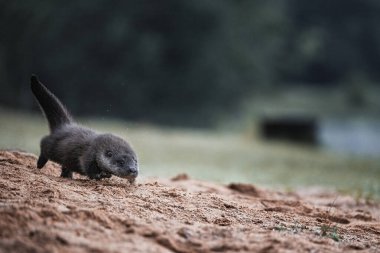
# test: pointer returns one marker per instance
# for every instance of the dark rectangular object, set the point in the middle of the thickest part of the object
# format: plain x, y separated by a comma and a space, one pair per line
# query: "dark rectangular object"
293, 129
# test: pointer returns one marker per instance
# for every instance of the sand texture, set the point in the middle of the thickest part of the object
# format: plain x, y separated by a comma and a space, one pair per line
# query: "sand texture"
41, 212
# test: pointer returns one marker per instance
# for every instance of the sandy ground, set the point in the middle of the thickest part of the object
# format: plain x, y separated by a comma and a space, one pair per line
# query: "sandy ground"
41, 212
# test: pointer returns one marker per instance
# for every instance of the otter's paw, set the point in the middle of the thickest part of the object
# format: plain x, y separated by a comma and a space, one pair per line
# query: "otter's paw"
104, 174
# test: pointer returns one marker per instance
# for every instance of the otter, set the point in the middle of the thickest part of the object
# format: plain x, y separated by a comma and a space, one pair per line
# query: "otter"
80, 149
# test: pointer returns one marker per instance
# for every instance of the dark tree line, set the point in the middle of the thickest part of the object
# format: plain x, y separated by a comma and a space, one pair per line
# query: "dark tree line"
181, 61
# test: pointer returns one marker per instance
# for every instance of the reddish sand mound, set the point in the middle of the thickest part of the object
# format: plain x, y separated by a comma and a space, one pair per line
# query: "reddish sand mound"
41, 212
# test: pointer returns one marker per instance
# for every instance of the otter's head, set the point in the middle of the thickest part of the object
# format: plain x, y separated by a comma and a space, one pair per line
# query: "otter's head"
115, 156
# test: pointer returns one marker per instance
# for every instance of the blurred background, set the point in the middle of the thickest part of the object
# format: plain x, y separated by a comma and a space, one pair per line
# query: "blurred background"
276, 93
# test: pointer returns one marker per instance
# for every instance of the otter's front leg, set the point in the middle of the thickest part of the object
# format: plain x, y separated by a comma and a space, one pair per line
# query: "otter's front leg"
94, 172
66, 173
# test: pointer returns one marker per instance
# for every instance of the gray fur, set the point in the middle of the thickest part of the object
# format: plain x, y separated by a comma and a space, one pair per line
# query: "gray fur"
80, 149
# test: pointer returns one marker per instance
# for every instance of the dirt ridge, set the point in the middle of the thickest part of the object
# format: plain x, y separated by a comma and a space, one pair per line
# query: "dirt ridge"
41, 212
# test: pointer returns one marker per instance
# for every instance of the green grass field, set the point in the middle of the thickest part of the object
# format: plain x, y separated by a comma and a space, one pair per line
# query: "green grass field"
216, 155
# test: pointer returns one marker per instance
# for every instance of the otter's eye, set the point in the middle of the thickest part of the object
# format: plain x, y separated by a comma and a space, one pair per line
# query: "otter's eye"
109, 154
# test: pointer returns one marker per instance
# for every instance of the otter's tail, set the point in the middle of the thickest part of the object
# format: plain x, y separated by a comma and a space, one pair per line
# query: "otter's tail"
55, 113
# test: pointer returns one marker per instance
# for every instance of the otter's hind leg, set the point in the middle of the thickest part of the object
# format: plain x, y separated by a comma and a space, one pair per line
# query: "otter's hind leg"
44, 145
42, 160
66, 173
